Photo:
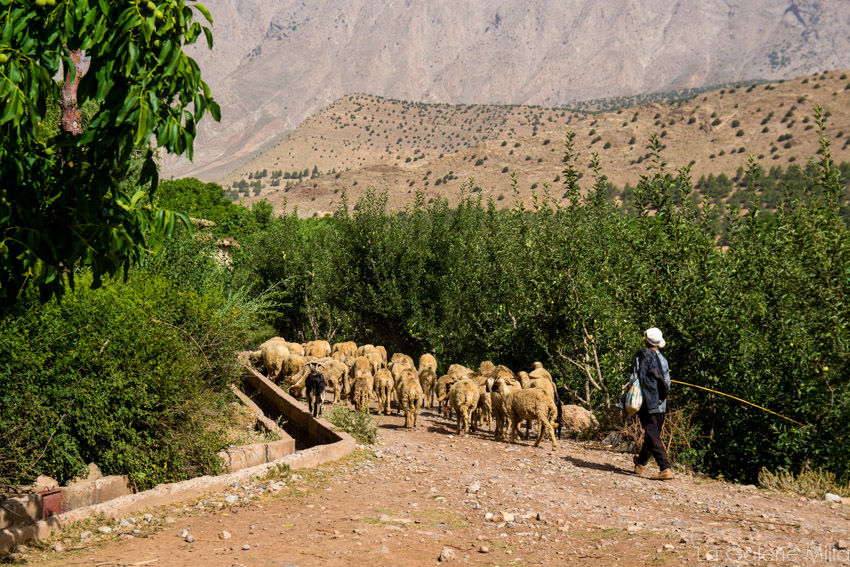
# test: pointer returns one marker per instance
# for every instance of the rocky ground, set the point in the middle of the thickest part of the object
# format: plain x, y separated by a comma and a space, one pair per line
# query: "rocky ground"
426, 496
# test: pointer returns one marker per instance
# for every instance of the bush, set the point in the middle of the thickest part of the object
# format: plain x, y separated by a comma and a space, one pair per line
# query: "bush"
360, 425
132, 376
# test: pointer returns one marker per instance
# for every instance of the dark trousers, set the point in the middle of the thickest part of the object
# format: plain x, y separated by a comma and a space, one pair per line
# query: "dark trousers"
652, 445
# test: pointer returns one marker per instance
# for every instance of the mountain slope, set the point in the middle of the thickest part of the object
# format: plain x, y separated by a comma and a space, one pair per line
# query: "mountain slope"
276, 63
363, 141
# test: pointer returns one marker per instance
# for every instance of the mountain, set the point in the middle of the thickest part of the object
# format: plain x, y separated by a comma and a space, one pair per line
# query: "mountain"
277, 62
363, 141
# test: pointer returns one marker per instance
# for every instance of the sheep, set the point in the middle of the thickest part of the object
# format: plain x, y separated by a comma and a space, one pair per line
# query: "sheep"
577, 419
399, 363
383, 352
272, 353
334, 372
427, 360
539, 372
383, 386
346, 380
441, 390
484, 408
544, 384
319, 349
486, 368
295, 348
533, 404
315, 386
291, 367
500, 393
409, 395
375, 360
363, 350
428, 379
348, 348
362, 383
542, 381
361, 393
459, 371
463, 396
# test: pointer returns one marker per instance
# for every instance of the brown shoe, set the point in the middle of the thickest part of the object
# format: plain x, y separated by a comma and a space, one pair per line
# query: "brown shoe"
638, 467
666, 474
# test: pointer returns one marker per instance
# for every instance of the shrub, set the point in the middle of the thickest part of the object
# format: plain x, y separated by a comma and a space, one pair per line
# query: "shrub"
360, 425
132, 376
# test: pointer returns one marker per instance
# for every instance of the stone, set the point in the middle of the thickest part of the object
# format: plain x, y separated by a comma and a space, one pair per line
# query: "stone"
669, 547
473, 488
246, 547
148, 518
169, 520
86, 535
44, 529
189, 538
231, 498
483, 549
184, 533
841, 544
224, 534
7, 539
503, 517
447, 555
832, 498
58, 547
488, 516
104, 529
124, 523
44, 482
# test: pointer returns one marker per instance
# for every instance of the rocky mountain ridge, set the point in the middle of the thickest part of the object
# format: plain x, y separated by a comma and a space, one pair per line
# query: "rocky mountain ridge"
275, 63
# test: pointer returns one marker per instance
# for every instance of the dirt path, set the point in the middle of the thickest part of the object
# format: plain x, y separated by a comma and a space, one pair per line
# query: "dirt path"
417, 493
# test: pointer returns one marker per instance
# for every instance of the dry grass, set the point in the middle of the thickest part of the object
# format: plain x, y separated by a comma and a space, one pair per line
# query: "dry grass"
812, 483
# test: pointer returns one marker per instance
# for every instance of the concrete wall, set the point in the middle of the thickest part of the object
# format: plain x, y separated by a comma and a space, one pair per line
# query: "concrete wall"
238, 458
90, 498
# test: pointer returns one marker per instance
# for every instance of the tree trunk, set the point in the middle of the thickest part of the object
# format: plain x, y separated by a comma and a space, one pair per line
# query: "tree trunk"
71, 114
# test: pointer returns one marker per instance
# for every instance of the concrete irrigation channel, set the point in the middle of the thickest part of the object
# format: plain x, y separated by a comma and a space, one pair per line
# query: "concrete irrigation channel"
304, 442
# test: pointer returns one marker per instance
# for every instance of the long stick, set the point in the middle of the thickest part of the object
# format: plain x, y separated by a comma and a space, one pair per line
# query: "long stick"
740, 400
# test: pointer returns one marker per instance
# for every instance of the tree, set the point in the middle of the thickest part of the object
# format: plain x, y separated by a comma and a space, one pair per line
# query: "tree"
62, 201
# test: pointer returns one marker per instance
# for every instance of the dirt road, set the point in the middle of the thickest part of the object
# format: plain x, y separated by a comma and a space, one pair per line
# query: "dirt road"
419, 494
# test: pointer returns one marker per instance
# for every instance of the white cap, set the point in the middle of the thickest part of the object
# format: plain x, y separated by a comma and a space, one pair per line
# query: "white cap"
654, 337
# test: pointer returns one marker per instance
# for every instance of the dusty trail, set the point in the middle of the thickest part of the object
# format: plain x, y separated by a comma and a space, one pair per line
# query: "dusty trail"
417, 493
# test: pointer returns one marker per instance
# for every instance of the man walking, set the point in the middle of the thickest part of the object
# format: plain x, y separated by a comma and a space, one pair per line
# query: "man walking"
650, 367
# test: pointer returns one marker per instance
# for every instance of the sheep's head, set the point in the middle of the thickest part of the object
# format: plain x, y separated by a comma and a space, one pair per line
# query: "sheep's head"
536, 365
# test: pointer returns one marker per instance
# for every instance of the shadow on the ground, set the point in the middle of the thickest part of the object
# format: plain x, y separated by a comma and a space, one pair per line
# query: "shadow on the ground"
604, 467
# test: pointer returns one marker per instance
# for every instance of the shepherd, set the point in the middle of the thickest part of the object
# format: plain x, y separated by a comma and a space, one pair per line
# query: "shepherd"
651, 369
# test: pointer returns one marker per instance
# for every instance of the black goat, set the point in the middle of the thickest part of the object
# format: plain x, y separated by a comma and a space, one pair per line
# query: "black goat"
315, 385
560, 407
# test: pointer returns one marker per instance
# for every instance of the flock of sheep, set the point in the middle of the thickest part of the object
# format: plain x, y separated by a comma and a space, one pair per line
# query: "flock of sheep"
363, 374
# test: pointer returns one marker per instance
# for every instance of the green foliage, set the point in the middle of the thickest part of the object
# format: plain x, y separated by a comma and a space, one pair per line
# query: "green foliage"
574, 283
62, 203
360, 425
132, 376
